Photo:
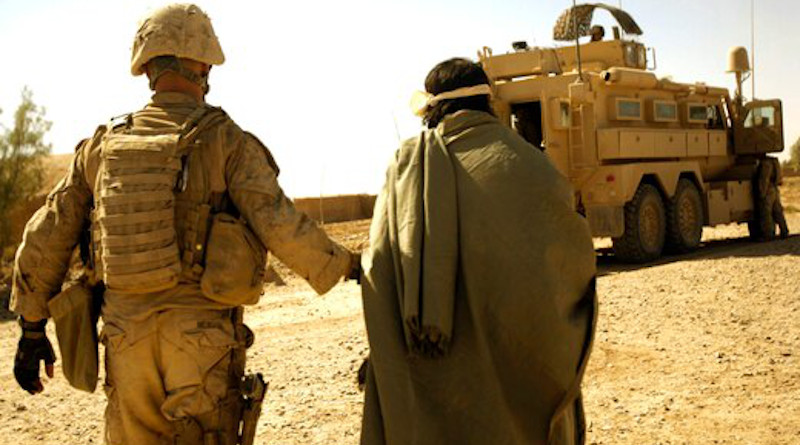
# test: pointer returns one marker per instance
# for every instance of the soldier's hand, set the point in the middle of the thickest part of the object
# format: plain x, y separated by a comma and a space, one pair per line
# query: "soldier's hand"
33, 348
355, 267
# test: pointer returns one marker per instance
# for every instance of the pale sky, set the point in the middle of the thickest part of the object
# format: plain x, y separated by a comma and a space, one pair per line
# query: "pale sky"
322, 83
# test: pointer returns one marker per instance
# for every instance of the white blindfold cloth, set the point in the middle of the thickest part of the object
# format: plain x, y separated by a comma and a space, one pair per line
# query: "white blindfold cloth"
421, 101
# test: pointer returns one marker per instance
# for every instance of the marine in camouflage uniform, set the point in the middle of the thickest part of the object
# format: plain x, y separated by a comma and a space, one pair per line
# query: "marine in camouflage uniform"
174, 357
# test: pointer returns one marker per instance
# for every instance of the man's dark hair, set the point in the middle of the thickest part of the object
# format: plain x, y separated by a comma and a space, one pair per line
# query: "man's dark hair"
448, 76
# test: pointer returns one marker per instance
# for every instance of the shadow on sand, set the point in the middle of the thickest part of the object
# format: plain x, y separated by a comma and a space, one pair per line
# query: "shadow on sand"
607, 264
714, 249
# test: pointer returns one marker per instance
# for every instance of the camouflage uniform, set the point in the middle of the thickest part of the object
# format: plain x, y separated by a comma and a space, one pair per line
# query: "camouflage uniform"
174, 358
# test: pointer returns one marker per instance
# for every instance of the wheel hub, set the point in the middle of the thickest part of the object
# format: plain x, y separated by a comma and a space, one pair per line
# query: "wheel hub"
649, 226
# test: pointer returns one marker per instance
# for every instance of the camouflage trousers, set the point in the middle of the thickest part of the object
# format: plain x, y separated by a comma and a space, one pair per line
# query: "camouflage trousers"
173, 378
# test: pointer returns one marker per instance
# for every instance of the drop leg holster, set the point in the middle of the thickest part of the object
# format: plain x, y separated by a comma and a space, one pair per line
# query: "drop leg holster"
234, 420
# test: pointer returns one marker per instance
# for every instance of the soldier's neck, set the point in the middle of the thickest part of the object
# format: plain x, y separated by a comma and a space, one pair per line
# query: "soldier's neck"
170, 83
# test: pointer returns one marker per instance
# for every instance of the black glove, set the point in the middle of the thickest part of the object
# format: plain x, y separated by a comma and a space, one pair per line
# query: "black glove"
361, 376
32, 348
355, 268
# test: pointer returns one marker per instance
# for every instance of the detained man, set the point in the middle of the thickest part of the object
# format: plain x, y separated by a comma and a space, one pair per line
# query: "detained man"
478, 286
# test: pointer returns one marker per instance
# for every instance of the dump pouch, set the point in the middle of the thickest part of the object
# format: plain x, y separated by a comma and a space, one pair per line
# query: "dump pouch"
235, 262
75, 312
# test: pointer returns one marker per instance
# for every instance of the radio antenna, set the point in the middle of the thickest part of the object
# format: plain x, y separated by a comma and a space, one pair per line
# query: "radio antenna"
753, 47
577, 39
396, 128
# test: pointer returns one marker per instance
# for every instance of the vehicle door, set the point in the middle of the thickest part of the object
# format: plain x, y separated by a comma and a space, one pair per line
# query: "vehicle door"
762, 128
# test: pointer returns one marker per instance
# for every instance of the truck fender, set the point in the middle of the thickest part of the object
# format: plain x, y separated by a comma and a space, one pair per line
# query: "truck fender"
663, 175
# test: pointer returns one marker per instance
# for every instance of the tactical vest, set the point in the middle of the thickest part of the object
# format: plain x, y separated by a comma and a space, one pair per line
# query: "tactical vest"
135, 244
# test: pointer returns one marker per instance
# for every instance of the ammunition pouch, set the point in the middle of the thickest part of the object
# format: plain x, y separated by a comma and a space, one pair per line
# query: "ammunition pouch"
75, 312
235, 262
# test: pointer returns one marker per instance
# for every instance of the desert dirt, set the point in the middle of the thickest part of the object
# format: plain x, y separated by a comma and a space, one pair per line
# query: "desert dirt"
701, 348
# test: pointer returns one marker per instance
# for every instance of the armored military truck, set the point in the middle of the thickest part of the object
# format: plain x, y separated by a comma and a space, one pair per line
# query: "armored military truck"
652, 161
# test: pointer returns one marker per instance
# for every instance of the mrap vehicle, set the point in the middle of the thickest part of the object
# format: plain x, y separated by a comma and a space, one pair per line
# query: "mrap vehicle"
652, 161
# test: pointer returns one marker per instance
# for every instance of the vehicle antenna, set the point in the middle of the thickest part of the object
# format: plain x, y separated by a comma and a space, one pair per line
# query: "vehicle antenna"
396, 128
577, 40
753, 47
322, 196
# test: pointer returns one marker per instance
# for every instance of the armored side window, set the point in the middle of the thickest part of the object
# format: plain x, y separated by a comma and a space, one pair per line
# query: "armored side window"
628, 109
697, 113
635, 55
665, 111
564, 116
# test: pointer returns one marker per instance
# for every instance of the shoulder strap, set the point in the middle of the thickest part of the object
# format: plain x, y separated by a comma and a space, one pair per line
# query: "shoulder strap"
200, 120
116, 122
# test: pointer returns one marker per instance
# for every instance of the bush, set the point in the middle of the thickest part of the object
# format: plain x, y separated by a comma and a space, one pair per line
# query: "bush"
794, 156
22, 149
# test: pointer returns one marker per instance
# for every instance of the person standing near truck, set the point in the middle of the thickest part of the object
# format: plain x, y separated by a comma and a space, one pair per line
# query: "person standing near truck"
478, 288
770, 209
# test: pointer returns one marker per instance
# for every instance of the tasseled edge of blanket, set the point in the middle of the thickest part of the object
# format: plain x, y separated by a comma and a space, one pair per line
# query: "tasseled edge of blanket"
427, 341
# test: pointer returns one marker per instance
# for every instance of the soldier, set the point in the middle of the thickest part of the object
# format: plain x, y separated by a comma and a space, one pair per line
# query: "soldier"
770, 208
478, 285
597, 32
183, 206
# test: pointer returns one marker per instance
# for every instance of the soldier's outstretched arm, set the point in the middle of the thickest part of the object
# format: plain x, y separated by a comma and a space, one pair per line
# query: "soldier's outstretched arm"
288, 233
48, 242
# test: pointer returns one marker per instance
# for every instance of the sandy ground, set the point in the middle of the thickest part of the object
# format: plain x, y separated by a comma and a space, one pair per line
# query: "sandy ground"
700, 348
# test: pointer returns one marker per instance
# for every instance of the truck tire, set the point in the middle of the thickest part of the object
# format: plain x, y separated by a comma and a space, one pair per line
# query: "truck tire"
645, 227
684, 218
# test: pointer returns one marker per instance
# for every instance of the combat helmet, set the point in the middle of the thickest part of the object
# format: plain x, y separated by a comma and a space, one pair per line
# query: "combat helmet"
173, 32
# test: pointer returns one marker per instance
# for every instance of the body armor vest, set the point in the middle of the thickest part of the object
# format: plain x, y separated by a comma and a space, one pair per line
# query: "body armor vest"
134, 239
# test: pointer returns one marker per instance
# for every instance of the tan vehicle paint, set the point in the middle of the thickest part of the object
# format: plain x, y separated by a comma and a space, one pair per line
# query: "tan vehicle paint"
615, 129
